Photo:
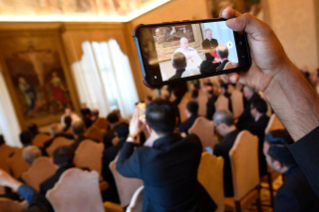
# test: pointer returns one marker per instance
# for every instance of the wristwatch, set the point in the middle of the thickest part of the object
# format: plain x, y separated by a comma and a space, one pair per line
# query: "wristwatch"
131, 137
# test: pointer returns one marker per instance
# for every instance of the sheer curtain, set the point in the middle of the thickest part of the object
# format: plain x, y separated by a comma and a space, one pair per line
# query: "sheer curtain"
104, 78
9, 125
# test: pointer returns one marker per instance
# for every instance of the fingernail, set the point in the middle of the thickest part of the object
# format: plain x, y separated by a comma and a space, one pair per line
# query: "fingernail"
233, 78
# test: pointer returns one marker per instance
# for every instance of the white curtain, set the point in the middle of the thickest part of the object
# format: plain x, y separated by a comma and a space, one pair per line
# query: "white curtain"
9, 126
104, 78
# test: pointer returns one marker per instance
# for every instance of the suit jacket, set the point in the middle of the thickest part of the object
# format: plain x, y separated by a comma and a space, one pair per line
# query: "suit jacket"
49, 142
184, 126
209, 45
222, 66
169, 172
81, 138
210, 110
50, 182
177, 75
258, 128
108, 137
305, 152
296, 195
245, 119
222, 149
228, 95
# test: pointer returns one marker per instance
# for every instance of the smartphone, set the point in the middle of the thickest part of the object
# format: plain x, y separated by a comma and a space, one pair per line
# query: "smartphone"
188, 50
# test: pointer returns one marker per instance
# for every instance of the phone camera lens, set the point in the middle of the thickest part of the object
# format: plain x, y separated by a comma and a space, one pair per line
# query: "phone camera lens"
240, 43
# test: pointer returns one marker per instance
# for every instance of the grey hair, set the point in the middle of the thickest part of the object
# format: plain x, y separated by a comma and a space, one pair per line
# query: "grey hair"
223, 117
208, 29
30, 153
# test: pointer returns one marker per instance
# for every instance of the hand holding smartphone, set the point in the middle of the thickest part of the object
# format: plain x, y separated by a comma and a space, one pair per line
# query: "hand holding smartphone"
188, 50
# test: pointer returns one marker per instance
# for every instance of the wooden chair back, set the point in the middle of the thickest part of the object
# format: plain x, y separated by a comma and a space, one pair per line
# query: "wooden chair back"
59, 141
101, 123
40, 139
204, 129
94, 132
136, 204
2, 190
76, 191
5, 152
9, 205
17, 164
210, 176
244, 163
89, 154
222, 103
274, 124
202, 103
42, 168
237, 103
182, 106
126, 187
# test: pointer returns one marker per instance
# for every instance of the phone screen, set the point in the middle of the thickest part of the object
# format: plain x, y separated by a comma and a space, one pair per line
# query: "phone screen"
177, 51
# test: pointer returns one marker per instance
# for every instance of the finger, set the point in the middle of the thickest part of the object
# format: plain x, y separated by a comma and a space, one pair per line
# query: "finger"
135, 115
232, 77
228, 12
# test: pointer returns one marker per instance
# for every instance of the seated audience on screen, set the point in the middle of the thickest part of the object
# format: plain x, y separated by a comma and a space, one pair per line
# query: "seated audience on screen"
79, 129
179, 64
63, 159
258, 110
191, 112
225, 126
169, 167
210, 105
295, 194
30, 153
222, 52
245, 119
113, 120
121, 131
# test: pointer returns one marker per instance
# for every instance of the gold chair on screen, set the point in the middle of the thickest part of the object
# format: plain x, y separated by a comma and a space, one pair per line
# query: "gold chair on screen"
210, 176
42, 168
245, 170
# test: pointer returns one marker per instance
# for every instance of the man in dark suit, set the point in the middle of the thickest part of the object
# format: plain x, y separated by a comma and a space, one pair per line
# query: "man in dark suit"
210, 105
168, 168
63, 159
121, 131
113, 120
209, 44
295, 194
222, 53
79, 129
245, 119
258, 112
191, 113
179, 63
225, 126
224, 88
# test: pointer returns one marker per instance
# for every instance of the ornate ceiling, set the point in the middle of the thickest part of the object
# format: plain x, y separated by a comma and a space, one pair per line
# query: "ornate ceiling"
75, 10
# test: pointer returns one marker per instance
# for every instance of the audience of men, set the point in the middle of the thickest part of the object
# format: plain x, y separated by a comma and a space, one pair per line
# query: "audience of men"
69, 112
79, 129
225, 126
168, 170
245, 119
179, 63
63, 160
258, 110
113, 120
222, 52
30, 153
210, 105
26, 138
121, 131
34, 129
209, 44
295, 194
191, 112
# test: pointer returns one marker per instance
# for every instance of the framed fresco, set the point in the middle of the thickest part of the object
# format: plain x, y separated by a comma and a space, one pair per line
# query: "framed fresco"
37, 76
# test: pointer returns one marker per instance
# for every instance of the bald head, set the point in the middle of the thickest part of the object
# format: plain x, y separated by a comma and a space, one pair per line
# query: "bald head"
78, 128
184, 43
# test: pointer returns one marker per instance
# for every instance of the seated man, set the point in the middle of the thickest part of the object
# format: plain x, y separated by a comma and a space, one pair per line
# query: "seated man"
30, 153
168, 168
69, 112
222, 53
34, 129
210, 105
121, 131
225, 126
79, 129
63, 159
191, 113
26, 138
295, 194
245, 119
113, 120
179, 64
258, 112
56, 130
85, 111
